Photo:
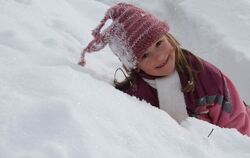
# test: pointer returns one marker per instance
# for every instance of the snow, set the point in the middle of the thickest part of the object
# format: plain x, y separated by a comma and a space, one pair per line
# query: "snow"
51, 107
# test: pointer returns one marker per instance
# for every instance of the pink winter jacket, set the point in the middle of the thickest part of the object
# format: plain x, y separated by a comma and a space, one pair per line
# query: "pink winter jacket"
214, 99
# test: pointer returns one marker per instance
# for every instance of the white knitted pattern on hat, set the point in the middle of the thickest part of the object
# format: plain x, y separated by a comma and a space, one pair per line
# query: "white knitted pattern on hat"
118, 42
120, 47
143, 24
144, 33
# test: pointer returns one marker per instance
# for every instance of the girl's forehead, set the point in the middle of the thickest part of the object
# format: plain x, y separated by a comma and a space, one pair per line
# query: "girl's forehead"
163, 37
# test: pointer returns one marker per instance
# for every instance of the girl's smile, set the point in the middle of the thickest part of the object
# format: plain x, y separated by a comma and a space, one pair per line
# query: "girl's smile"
163, 64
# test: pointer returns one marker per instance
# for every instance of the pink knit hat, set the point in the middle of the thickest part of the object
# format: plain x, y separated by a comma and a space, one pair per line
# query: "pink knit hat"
130, 34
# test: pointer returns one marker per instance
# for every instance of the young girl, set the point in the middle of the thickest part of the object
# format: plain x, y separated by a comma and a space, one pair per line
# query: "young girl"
164, 74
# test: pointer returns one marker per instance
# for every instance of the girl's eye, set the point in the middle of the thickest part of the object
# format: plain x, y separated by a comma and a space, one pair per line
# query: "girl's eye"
145, 56
158, 43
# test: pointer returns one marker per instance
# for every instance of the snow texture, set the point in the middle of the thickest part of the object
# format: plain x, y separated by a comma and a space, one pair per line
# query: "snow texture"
119, 45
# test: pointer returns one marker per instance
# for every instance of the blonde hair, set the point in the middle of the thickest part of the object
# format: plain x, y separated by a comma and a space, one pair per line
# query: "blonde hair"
181, 65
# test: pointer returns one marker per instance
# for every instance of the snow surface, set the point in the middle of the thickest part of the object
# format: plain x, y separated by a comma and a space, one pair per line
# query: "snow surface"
50, 107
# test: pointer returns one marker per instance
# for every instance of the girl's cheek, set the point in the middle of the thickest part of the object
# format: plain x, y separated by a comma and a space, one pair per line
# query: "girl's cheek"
166, 46
169, 48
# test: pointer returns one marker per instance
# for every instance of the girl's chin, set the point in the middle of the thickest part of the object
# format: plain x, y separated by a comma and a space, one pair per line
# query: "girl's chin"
166, 70
163, 72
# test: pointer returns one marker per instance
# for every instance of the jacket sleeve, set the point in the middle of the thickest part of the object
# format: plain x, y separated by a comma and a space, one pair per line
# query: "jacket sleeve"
141, 90
215, 98
231, 112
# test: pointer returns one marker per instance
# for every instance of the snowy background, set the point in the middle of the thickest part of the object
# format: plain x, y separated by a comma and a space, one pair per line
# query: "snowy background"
52, 108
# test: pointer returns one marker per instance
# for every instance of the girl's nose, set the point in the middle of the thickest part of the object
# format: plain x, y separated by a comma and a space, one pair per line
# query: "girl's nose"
159, 56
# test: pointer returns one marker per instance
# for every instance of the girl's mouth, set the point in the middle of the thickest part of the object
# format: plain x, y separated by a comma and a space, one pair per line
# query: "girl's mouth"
163, 64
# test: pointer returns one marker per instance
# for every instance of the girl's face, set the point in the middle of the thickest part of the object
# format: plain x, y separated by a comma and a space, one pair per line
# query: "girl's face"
159, 59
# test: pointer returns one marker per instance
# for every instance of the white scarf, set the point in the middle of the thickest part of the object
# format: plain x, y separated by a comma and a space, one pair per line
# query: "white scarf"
171, 98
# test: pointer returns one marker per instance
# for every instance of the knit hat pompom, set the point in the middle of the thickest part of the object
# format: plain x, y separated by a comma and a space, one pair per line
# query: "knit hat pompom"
130, 34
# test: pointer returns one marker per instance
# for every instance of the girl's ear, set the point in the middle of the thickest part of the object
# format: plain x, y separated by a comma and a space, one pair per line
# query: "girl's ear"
137, 69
